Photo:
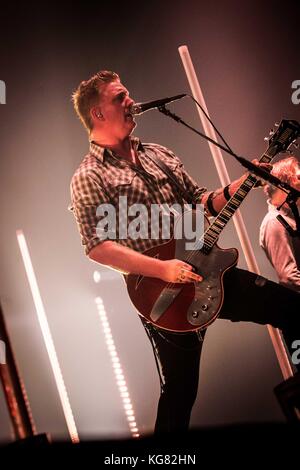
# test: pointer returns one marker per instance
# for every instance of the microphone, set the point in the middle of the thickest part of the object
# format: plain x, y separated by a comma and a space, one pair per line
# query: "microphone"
139, 108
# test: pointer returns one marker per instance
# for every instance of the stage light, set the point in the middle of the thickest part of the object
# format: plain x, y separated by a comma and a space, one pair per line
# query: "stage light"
41, 314
118, 371
97, 277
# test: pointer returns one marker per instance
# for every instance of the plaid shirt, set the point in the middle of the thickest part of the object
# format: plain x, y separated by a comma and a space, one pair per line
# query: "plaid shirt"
103, 177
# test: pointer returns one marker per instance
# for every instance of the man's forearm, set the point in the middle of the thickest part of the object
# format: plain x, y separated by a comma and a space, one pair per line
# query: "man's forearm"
124, 259
218, 199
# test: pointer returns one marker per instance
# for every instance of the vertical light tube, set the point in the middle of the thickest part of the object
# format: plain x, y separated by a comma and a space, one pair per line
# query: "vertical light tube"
41, 314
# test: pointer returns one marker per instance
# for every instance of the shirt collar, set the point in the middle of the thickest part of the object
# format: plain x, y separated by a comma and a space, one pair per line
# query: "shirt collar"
100, 152
285, 210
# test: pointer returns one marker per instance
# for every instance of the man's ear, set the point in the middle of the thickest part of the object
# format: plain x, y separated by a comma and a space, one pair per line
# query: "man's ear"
96, 113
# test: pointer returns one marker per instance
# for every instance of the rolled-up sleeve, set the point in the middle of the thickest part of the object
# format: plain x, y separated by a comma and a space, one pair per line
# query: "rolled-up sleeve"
86, 196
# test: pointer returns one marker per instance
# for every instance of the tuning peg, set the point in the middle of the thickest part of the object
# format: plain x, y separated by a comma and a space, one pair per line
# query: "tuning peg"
266, 139
272, 132
276, 124
296, 145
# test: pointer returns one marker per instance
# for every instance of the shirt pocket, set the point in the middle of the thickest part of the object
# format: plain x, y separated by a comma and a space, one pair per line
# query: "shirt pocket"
121, 183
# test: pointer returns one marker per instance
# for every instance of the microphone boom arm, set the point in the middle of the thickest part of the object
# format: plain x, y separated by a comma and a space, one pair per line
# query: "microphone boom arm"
292, 193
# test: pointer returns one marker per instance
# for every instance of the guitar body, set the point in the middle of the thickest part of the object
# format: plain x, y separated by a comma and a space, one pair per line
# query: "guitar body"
183, 307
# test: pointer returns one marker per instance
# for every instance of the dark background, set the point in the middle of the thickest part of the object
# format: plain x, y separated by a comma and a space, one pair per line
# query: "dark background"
246, 56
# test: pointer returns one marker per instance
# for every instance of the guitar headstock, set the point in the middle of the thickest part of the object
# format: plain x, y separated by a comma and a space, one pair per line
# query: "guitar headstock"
285, 135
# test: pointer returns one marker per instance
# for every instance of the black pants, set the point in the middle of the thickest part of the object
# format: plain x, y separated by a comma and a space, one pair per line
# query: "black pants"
248, 297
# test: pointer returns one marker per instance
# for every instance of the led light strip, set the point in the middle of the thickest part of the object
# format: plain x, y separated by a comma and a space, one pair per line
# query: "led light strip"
118, 371
40, 310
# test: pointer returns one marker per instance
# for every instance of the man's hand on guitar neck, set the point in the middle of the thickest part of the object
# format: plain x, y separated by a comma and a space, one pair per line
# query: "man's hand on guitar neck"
126, 260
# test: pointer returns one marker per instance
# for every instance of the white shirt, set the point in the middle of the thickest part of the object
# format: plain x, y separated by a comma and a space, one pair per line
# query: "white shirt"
282, 250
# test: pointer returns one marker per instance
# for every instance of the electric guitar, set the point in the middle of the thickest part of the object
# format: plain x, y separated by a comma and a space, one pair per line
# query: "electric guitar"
188, 307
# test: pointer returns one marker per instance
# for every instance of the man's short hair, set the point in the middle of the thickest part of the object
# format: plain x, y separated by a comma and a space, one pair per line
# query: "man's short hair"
88, 94
285, 170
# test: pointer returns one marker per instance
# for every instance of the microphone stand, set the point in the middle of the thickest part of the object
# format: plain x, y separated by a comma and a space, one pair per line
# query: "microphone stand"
292, 193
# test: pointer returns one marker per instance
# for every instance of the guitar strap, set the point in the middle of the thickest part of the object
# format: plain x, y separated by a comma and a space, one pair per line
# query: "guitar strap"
183, 192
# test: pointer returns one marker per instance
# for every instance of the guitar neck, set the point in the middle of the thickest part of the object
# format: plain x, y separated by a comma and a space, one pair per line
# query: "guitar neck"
214, 230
